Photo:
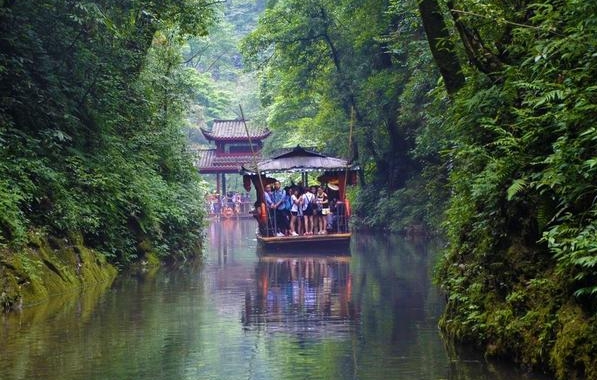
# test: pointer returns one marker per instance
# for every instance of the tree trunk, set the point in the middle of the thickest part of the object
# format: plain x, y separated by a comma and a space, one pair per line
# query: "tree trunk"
441, 46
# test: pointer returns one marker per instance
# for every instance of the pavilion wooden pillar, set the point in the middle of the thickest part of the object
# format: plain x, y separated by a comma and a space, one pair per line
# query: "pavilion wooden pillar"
224, 190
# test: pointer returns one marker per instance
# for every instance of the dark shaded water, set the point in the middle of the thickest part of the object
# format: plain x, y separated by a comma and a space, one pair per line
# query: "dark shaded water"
368, 315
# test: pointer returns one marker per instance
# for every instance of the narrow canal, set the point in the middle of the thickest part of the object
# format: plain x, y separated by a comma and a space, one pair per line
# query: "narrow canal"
367, 314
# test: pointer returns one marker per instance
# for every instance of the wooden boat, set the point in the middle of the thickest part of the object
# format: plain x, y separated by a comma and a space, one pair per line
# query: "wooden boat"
336, 175
304, 242
333, 255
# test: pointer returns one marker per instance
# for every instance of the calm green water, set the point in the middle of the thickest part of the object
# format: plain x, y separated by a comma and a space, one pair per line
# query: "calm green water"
370, 315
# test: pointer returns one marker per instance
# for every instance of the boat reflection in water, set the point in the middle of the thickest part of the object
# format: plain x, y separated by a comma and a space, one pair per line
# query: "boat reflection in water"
308, 296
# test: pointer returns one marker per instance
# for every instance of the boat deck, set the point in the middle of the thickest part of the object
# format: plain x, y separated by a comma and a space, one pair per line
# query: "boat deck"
324, 242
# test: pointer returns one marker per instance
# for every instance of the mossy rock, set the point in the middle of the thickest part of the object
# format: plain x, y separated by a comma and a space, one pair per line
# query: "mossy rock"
49, 266
515, 306
574, 353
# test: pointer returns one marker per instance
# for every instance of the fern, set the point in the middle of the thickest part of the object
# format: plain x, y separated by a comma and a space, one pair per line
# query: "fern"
516, 187
545, 212
548, 97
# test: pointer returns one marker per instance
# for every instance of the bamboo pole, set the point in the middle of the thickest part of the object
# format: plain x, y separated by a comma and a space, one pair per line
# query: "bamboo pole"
242, 115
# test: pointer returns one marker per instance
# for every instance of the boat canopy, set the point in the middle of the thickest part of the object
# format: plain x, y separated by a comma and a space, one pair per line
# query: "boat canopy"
336, 174
298, 160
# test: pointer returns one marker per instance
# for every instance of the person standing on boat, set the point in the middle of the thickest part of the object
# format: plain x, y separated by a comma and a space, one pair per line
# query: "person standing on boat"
268, 197
331, 217
296, 212
287, 207
308, 201
279, 207
322, 210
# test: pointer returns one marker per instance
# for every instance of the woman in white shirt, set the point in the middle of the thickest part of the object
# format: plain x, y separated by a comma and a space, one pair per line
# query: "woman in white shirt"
296, 213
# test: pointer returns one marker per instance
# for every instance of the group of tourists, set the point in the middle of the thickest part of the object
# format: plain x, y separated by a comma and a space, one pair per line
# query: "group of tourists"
236, 202
297, 210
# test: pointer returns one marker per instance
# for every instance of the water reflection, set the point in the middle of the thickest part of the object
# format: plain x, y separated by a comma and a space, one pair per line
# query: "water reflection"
303, 295
243, 315
225, 237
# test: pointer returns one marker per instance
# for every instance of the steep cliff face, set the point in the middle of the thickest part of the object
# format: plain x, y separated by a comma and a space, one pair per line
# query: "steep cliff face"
514, 304
49, 267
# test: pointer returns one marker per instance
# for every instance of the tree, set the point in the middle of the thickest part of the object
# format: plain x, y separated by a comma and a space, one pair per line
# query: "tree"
442, 48
520, 266
335, 58
91, 104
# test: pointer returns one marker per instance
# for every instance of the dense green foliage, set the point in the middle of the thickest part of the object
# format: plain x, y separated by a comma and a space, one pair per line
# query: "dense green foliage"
92, 100
521, 268
327, 65
504, 156
220, 81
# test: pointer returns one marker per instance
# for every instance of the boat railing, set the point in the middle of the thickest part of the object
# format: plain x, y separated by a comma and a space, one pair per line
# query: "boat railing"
341, 225
337, 221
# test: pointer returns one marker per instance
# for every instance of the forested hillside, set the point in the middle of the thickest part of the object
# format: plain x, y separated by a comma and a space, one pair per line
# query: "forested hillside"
219, 77
472, 118
93, 98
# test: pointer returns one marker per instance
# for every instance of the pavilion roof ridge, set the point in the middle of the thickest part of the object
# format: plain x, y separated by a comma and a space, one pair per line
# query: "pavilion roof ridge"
234, 130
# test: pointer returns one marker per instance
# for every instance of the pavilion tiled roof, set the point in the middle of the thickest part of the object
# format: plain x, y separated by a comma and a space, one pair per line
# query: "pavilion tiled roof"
234, 130
209, 162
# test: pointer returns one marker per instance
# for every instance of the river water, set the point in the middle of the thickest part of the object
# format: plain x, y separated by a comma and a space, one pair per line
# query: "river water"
370, 313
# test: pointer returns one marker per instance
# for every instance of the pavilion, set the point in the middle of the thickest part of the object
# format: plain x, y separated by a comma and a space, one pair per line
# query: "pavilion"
232, 149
